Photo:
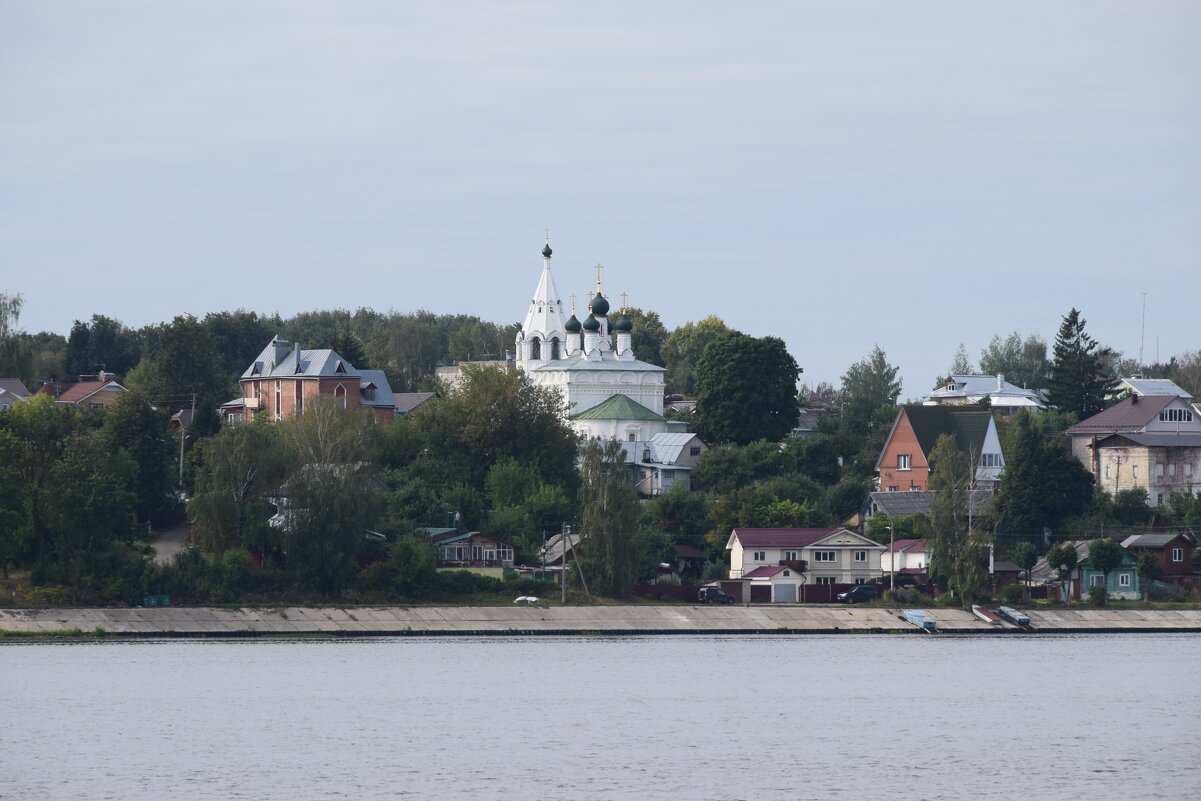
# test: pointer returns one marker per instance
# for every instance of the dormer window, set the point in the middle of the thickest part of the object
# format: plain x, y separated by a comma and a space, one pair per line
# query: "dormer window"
341, 368
1175, 416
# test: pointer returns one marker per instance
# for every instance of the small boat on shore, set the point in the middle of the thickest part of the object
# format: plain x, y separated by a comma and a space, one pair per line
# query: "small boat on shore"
987, 615
919, 618
1014, 616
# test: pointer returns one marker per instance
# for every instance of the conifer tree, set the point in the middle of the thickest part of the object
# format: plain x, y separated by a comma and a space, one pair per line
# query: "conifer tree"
1078, 382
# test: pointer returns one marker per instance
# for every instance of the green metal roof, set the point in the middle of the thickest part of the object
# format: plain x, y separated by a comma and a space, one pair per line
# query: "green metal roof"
618, 407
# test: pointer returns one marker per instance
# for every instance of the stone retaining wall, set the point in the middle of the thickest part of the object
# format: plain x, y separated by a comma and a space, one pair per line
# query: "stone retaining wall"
489, 620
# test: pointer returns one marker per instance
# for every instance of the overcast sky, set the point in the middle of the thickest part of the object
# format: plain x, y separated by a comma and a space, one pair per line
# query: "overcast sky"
839, 174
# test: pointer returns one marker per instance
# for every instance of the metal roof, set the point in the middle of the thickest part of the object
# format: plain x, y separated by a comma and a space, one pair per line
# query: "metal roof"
1167, 440
1151, 540
618, 407
14, 385
607, 361
765, 571
903, 504
1153, 386
785, 537
408, 401
1129, 414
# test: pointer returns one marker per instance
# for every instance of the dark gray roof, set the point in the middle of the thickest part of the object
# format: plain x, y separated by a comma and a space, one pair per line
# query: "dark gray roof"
1156, 440
903, 504
14, 385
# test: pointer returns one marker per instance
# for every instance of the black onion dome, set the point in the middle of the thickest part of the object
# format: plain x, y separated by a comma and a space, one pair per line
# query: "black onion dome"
573, 325
624, 324
546, 251
599, 306
591, 324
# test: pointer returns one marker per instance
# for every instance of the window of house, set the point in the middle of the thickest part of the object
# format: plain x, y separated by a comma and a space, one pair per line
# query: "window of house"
554, 348
1177, 554
786, 573
340, 392
1159, 499
630, 437
1134, 468
369, 393
1123, 579
695, 450
893, 489
790, 556
860, 556
1096, 580
236, 418
535, 348
1107, 471
990, 460
903, 461
760, 556
1171, 471
861, 581
824, 580
823, 556
1188, 468
279, 401
298, 391
1175, 416
1159, 470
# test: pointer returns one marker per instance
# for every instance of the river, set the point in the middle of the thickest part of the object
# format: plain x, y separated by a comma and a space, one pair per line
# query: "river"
681, 717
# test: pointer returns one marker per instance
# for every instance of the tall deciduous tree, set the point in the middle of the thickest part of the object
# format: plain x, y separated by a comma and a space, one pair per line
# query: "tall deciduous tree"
235, 470
957, 553
746, 390
1023, 362
131, 424
1078, 382
1106, 556
609, 517
15, 360
1043, 483
866, 386
1063, 558
683, 348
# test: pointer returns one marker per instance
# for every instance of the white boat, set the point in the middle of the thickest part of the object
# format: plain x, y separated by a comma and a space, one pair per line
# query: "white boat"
987, 615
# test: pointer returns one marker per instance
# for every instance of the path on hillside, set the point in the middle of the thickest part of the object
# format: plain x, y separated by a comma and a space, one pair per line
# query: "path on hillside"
170, 543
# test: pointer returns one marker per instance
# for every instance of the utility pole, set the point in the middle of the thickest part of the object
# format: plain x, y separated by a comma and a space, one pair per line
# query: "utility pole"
1142, 334
563, 563
892, 559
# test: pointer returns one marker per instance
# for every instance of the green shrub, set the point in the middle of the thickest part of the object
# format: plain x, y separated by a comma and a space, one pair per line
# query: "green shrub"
1097, 594
1012, 593
905, 596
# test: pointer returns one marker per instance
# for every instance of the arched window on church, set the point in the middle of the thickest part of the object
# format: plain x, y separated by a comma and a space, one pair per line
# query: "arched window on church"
536, 348
554, 349
340, 394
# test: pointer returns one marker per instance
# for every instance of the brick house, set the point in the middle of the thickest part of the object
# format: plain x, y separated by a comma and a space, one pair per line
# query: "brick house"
1144, 441
89, 392
904, 463
284, 377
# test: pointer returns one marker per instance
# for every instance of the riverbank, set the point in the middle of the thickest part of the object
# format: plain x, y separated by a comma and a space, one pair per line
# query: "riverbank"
561, 620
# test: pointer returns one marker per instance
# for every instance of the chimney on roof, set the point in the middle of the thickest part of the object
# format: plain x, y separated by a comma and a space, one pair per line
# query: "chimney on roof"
1000, 381
1134, 399
280, 348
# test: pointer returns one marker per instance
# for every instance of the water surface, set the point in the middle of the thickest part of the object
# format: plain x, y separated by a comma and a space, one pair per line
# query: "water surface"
737, 717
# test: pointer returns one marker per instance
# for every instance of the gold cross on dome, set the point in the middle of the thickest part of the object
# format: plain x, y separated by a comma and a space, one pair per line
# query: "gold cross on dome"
625, 299
599, 267
547, 236
573, 303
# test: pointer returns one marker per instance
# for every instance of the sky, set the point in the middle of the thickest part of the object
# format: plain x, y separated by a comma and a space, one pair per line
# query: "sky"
838, 174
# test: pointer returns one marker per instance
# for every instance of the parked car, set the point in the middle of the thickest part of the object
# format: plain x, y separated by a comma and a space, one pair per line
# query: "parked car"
860, 592
712, 595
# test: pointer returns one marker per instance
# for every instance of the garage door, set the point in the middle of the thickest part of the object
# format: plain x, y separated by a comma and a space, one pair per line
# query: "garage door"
761, 592
786, 593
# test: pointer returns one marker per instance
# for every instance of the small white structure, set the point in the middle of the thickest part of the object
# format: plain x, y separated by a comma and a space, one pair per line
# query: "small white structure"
972, 389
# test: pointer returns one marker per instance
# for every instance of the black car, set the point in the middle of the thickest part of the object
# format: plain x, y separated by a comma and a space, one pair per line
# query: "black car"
861, 592
712, 595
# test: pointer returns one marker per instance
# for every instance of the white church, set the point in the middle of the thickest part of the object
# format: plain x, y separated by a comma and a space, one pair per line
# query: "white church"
609, 393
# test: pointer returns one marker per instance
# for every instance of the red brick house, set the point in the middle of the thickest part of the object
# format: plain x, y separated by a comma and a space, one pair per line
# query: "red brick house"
904, 464
89, 392
284, 378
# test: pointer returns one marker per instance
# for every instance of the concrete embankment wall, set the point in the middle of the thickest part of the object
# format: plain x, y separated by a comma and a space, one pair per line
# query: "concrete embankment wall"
514, 620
